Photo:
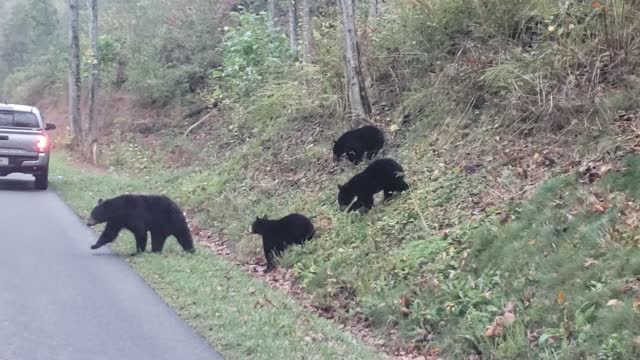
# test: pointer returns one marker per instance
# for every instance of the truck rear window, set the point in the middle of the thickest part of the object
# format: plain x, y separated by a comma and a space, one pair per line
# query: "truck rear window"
18, 119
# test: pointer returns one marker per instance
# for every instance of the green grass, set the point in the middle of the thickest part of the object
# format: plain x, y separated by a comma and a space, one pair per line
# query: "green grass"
243, 318
453, 286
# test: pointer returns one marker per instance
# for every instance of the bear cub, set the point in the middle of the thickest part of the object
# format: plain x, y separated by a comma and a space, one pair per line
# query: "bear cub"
278, 235
381, 175
141, 214
358, 142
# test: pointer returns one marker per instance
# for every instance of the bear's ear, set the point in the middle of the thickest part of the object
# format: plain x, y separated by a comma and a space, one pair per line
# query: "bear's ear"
100, 201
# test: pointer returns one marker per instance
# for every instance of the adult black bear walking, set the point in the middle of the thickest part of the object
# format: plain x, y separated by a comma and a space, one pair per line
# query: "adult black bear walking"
358, 142
381, 175
278, 235
141, 214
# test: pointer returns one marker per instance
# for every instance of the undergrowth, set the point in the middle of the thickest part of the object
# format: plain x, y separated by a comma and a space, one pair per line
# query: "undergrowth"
438, 264
241, 317
496, 250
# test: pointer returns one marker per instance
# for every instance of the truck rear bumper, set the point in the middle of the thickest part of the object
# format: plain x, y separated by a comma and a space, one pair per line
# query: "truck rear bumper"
35, 164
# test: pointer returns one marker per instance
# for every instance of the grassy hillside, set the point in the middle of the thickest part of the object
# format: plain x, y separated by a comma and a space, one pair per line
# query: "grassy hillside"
516, 122
441, 265
241, 317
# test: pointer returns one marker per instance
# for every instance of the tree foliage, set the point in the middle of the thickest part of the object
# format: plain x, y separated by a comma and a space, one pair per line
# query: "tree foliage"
29, 33
253, 54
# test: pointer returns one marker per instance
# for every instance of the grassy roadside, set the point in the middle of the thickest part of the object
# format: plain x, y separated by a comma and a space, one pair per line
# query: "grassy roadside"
240, 316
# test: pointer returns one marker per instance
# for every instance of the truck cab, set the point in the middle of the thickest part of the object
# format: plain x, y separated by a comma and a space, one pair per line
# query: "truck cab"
24, 143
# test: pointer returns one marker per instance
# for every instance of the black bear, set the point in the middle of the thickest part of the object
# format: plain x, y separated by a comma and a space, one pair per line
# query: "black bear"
358, 142
277, 235
140, 214
381, 175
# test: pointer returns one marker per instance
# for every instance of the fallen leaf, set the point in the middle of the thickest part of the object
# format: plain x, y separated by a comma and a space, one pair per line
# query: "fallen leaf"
615, 303
533, 335
405, 304
631, 220
561, 299
394, 128
492, 330
589, 262
636, 304
601, 207
509, 307
596, 4
507, 319
505, 218
496, 328
605, 168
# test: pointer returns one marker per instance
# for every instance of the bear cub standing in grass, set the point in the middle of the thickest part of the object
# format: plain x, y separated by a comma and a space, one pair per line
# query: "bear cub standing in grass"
278, 235
358, 142
381, 175
140, 214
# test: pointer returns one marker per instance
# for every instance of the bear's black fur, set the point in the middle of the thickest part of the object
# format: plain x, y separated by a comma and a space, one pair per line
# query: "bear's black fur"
358, 142
381, 175
277, 235
140, 214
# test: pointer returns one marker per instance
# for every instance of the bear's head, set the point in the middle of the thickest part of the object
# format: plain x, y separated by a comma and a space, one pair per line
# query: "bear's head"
338, 150
345, 197
100, 213
258, 226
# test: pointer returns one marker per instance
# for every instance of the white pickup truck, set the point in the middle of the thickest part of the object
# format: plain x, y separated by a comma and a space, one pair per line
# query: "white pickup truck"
24, 143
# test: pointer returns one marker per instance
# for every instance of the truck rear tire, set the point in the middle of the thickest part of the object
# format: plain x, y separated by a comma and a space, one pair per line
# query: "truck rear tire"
42, 180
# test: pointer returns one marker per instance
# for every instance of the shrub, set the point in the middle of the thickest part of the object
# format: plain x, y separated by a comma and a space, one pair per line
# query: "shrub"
253, 54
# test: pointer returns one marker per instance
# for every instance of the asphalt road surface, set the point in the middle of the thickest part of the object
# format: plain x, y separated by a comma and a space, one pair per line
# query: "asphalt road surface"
61, 301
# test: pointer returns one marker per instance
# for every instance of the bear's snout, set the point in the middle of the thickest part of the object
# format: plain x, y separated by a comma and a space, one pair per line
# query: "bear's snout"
91, 221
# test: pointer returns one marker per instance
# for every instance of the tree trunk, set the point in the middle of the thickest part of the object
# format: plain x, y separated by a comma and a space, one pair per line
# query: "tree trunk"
356, 88
272, 12
307, 27
92, 125
75, 123
293, 27
374, 8
92, 5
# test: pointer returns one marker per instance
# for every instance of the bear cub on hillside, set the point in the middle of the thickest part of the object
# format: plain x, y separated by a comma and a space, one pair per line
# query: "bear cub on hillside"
140, 214
278, 235
381, 175
358, 142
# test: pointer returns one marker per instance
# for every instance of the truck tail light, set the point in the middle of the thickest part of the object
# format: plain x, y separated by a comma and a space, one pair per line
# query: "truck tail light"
42, 143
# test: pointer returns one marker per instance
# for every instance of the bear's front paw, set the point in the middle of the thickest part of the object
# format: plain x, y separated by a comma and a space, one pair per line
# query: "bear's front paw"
95, 246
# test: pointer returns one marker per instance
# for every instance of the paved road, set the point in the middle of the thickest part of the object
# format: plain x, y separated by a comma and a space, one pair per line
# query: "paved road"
60, 301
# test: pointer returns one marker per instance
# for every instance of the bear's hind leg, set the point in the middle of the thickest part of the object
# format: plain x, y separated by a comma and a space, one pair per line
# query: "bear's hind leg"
373, 153
157, 241
141, 241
